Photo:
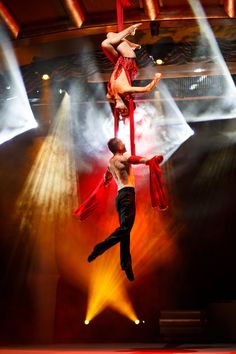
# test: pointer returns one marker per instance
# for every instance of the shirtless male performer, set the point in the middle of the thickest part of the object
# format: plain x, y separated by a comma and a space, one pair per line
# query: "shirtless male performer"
120, 168
121, 53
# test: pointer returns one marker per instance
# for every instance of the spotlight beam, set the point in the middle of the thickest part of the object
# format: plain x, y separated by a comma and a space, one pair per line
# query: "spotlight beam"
8, 19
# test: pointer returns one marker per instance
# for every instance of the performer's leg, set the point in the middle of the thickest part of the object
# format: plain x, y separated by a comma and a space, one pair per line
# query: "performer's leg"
113, 44
125, 203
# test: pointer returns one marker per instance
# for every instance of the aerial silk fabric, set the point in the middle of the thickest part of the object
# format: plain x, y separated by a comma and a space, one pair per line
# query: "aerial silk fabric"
92, 202
157, 192
120, 6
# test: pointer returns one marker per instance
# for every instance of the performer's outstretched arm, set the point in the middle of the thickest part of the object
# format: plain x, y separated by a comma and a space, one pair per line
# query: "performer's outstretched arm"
137, 160
143, 89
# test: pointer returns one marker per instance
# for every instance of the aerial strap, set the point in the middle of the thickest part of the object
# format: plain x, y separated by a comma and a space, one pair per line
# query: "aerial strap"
120, 6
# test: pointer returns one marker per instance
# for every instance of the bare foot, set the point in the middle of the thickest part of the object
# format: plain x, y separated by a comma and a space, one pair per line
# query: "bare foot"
134, 27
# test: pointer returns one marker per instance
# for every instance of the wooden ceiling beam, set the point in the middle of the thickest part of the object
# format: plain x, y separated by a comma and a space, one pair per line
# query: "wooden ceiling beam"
151, 8
230, 6
75, 11
9, 21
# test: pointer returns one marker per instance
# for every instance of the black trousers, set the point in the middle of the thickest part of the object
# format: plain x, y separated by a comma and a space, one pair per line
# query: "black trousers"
125, 205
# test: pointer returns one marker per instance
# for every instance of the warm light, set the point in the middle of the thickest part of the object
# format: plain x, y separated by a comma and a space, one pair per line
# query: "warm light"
45, 77
75, 11
230, 7
10, 22
151, 8
136, 322
40, 212
198, 70
86, 322
159, 61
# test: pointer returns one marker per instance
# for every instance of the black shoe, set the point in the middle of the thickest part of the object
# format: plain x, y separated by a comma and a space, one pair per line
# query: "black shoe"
129, 273
92, 256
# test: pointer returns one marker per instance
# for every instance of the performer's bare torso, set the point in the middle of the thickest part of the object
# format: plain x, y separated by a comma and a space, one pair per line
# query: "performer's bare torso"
122, 171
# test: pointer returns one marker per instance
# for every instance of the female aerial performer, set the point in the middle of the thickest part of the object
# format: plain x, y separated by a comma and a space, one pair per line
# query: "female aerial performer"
121, 53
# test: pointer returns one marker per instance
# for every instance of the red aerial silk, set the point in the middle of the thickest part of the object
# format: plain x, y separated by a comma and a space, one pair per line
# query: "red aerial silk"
120, 6
91, 203
157, 192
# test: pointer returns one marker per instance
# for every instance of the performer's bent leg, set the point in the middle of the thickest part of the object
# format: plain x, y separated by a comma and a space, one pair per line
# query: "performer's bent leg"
125, 204
114, 44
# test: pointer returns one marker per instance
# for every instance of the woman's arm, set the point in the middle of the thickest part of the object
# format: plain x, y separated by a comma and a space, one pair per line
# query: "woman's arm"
143, 89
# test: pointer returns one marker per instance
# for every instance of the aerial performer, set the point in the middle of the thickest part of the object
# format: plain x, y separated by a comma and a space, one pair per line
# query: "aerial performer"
121, 52
119, 168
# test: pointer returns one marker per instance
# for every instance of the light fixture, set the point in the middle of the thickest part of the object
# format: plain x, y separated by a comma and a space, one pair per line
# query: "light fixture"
45, 77
159, 62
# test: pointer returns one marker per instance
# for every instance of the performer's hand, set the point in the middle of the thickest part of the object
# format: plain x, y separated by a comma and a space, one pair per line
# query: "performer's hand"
153, 83
157, 158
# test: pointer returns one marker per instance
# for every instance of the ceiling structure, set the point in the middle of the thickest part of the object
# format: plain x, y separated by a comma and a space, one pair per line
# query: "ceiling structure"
66, 18
52, 28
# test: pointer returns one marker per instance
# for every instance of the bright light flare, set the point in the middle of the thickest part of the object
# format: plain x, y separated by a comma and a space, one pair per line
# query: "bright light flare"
223, 108
44, 210
86, 322
16, 115
107, 282
45, 77
137, 322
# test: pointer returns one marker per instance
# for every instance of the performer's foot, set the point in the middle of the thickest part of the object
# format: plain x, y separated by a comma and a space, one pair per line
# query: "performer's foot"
92, 256
129, 273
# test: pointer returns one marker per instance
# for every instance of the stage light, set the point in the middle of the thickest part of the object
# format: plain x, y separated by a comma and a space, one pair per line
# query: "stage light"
159, 62
86, 322
198, 70
137, 322
45, 77
224, 107
16, 115
44, 208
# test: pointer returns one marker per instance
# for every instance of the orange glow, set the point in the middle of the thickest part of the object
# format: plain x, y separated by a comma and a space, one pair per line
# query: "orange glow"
230, 7
107, 284
75, 11
9, 20
63, 243
150, 245
151, 8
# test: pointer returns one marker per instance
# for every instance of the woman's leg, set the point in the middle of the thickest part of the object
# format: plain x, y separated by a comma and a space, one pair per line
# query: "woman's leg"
114, 44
